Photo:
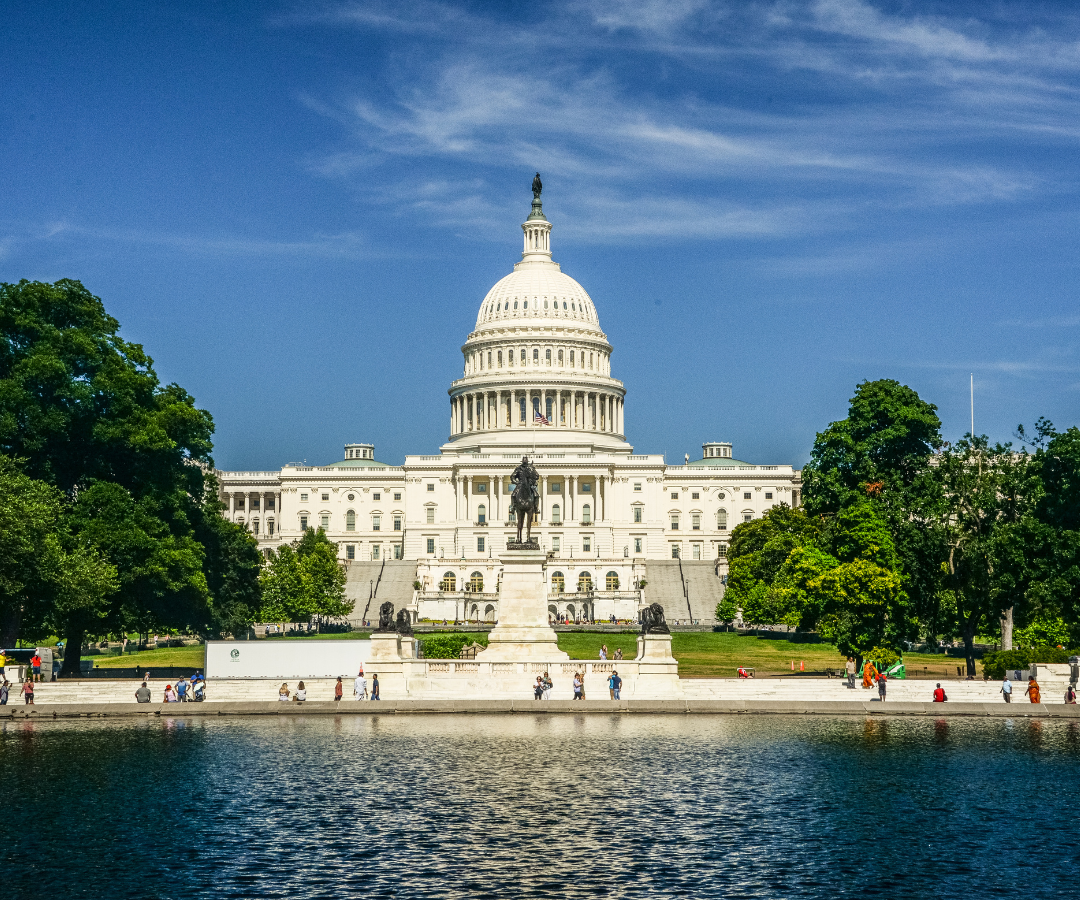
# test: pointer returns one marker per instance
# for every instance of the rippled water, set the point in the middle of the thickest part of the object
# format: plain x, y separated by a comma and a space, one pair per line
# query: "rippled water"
545, 806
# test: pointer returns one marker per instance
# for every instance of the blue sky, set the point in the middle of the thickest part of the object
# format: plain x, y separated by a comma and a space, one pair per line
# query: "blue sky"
298, 209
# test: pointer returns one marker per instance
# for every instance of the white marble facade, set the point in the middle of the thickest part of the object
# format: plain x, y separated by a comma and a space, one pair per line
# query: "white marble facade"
537, 381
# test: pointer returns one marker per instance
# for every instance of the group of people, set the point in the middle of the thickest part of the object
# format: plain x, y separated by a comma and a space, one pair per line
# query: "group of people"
184, 691
360, 689
544, 684
27, 690
1034, 692
604, 652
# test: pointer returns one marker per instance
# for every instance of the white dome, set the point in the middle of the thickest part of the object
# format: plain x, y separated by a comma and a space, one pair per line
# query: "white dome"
537, 291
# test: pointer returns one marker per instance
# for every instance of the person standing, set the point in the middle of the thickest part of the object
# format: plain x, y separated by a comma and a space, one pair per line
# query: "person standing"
850, 668
375, 688
881, 686
603, 651
28, 692
538, 689
5, 691
611, 685
35, 666
578, 687
1033, 690
616, 685
359, 686
939, 694
338, 690
181, 690
1006, 689
869, 674
548, 685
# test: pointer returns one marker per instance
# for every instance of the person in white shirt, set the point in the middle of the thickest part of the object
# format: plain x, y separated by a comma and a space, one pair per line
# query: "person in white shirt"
359, 687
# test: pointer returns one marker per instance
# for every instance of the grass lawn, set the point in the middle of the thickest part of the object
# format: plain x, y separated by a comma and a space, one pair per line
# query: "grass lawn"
347, 636
718, 654
185, 657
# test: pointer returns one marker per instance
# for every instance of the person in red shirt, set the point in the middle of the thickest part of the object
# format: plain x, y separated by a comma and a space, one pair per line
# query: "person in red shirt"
939, 694
35, 667
28, 692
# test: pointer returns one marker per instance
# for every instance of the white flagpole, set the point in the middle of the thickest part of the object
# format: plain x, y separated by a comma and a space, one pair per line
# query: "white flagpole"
973, 406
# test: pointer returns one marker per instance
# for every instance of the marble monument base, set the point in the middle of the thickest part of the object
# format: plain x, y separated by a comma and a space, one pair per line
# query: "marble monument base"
523, 632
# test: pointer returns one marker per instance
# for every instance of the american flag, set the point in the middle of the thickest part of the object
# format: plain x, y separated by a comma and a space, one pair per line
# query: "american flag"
538, 417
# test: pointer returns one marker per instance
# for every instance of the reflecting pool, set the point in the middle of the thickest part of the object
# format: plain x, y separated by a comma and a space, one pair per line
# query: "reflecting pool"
547, 806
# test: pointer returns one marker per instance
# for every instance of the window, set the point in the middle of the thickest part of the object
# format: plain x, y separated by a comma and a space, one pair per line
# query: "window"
325, 497
586, 544
481, 515
449, 582
431, 545
270, 527
748, 517
560, 358
376, 523
747, 496
254, 502
303, 523
521, 404
584, 581
431, 488
721, 519
254, 526
695, 522
674, 495
351, 498
558, 582
376, 496
479, 545
480, 487
476, 582
571, 357
556, 515
303, 499
637, 514
674, 551
397, 551
721, 551
269, 504
695, 496
586, 514
586, 487
430, 515
240, 501
489, 359
500, 359
350, 551
674, 522
375, 548
397, 496
550, 411
768, 495
350, 521
637, 545
523, 356
397, 523
611, 581
556, 487
556, 544
697, 551
324, 522
547, 357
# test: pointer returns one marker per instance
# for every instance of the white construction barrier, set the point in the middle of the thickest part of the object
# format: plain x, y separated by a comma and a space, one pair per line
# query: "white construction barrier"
283, 658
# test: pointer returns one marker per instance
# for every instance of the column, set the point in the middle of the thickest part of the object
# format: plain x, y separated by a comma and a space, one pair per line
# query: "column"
457, 498
569, 499
558, 408
513, 409
465, 514
496, 483
451, 415
601, 499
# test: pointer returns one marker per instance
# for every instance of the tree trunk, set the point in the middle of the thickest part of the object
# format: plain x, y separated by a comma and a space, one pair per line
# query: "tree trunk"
969, 646
1007, 629
73, 641
10, 620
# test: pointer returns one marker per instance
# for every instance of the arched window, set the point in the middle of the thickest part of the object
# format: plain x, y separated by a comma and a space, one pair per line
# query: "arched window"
556, 515
522, 405
489, 613
547, 356
571, 357
500, 359
476, 583
515, 304
481, 514
449, 582
586, 514
523, 356
350, 521
721, 519
611, 581
584, 581
560, 358
550, 409
558, 582
536, 356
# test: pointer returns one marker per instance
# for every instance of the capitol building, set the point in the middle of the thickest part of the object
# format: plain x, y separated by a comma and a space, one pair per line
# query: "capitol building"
620, 528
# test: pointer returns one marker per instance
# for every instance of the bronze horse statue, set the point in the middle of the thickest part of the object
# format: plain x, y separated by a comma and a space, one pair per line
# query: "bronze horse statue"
525, 501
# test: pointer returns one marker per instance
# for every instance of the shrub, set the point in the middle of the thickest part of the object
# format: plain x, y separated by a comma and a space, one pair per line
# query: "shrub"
448, 645
995, 665
883, 657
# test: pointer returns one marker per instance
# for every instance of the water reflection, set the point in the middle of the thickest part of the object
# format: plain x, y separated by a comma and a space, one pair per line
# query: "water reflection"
531, 806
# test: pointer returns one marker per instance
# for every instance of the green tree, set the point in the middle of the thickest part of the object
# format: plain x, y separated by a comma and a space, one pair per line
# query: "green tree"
304, 581
861, 607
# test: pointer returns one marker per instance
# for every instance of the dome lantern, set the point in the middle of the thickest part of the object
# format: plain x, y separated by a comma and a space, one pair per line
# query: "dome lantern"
537, 229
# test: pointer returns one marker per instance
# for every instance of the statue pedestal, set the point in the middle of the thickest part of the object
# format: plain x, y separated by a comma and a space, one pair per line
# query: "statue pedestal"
523, 632
658, 670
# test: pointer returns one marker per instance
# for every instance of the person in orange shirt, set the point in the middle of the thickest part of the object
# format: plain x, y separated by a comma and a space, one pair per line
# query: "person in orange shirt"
1033, 691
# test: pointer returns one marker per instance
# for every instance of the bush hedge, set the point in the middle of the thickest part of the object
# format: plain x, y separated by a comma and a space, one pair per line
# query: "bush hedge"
997, 664
448, 646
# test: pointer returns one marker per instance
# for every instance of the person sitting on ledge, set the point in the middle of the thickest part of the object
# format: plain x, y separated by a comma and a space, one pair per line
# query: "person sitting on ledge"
283, 693
142, 695
301, 693
743, 673
939, 694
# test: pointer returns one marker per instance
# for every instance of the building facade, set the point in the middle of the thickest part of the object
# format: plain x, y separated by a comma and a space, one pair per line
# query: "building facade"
537, 381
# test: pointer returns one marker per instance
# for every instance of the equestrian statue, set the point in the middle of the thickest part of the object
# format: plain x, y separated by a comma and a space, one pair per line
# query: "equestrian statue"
525, 501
